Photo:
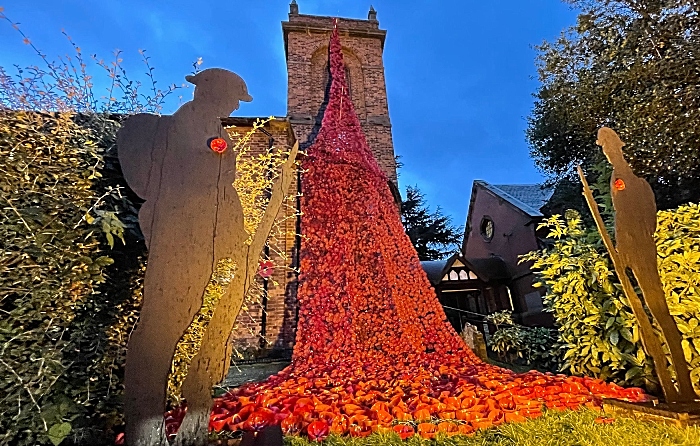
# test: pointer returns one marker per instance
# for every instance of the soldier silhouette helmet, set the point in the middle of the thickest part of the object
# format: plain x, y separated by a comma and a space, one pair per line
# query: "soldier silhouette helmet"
219, 86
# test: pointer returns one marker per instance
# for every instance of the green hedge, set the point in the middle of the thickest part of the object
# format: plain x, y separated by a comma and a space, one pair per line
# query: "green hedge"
67, 298
597, 329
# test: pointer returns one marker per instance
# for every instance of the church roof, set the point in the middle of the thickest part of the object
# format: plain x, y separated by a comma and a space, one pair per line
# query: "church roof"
529, 198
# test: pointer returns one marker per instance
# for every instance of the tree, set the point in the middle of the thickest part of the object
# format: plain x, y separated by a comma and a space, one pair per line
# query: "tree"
432, 233
634, 66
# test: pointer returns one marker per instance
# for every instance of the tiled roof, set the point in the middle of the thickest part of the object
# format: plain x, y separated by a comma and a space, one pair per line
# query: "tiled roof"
527, 197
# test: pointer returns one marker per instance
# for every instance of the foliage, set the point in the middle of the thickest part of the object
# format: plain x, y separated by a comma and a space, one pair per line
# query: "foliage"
678, 245
630, 65
432, 233
53, 280
499, 318
532, 346
596, 326
69, 292
255, 174
191, 340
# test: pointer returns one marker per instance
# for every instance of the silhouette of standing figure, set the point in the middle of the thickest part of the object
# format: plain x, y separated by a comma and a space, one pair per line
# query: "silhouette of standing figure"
635, 224
191, 219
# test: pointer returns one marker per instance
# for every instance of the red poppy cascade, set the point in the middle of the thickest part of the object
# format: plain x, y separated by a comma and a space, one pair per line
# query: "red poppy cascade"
374, 349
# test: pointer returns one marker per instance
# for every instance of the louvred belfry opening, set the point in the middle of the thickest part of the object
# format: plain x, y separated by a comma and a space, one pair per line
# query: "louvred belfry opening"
373, 344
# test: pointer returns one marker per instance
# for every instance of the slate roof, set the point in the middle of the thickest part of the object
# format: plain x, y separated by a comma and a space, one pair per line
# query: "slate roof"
529, 198
433, 269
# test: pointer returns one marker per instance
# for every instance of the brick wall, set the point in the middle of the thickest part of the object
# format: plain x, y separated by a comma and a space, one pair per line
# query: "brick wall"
270, 323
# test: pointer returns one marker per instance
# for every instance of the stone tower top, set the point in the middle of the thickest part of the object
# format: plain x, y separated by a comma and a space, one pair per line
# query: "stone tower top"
306, 40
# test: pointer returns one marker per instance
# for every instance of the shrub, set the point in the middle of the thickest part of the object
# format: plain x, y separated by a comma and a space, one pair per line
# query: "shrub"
532, 346
678, 245
69, 286
595, 323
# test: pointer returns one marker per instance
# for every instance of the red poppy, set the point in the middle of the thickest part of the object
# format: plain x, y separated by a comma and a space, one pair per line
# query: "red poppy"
619, 184
218, 145
427, 430
404, 430
267, 267
448, 428
259, 419
291, 425
604, 420
318, 430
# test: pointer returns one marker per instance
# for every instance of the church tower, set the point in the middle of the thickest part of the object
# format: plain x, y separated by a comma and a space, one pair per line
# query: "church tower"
306, 40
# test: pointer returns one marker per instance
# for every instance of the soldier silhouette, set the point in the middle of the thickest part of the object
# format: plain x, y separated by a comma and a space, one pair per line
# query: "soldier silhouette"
635, 224
191, 219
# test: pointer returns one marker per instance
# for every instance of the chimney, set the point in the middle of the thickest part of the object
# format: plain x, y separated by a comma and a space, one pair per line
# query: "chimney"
293, 8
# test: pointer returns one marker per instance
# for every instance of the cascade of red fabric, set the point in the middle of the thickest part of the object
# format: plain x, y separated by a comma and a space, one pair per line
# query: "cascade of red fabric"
374, 349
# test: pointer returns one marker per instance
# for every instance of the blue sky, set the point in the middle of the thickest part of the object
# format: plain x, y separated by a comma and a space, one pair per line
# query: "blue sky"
460, 74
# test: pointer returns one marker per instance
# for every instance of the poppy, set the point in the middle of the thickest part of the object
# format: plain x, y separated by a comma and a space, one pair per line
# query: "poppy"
404, 430
218, 145
318, 430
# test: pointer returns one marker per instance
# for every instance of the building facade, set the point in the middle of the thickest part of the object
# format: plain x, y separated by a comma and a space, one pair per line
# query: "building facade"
487, 276
306, 40
502, 223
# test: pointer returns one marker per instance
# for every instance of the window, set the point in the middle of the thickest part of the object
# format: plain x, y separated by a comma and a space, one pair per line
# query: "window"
326, 77
486, 228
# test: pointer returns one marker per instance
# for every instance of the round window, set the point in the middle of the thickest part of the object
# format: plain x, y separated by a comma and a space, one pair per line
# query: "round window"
486, 228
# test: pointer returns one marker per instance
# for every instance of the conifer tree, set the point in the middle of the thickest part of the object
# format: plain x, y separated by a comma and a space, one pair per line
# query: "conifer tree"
432, 233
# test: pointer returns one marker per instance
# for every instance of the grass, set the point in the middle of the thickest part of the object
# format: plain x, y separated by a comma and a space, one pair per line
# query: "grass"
568, 428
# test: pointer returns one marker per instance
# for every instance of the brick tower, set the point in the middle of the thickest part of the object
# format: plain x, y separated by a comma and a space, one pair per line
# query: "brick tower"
306, 45
268, 326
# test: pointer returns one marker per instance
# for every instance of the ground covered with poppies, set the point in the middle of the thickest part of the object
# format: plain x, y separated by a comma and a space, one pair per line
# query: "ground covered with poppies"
374, 351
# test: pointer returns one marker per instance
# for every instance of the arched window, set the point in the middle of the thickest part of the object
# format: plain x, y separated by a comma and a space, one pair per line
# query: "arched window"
326, 78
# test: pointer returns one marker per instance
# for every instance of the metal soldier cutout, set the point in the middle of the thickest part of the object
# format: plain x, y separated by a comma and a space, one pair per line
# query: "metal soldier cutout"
191, 219
635, 224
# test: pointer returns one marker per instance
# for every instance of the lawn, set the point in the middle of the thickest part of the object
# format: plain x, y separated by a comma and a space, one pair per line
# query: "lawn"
568, 428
